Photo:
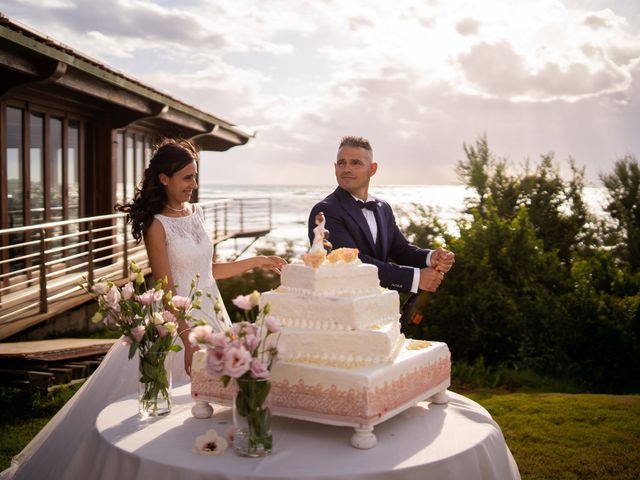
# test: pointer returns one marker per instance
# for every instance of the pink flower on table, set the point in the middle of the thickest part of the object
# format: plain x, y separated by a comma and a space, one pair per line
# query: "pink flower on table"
200, 334
251, 342
243, 302
181, 303
218, 340
158, 294
147, 298
241, 329
100, 288
137, 333
162, 330
272, 324
112, 299
210, 444
168, 316
214, 363
259, 369
237, 362
128, 291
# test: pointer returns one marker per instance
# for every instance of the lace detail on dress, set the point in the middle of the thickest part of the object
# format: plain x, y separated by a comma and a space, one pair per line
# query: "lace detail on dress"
190, 252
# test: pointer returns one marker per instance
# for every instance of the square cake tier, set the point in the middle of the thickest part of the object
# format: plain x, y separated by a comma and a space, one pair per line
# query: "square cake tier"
355, 397
332, 313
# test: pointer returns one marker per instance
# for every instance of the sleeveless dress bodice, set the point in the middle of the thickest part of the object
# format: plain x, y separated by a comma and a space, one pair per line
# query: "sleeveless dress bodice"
190, 252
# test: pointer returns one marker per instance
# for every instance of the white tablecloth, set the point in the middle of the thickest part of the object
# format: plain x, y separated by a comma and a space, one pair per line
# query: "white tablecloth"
458, 441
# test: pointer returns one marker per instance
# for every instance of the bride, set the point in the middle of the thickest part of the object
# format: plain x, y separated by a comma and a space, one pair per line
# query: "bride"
177, 246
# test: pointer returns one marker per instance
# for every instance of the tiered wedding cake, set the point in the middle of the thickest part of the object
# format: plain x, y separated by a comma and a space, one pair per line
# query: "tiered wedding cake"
342, 360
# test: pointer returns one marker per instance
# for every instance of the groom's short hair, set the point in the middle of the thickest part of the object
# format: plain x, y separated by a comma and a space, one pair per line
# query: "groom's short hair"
353, 141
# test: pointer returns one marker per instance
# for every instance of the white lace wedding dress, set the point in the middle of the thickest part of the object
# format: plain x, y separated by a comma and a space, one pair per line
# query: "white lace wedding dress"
63, 449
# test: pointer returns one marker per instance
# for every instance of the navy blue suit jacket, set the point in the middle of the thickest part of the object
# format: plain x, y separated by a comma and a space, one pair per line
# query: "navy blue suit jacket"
348, 228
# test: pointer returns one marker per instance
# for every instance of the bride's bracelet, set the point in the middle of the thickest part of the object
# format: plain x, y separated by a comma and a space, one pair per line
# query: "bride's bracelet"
188, 329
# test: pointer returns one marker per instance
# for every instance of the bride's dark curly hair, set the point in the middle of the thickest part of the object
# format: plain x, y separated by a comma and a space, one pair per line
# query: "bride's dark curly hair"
150, 198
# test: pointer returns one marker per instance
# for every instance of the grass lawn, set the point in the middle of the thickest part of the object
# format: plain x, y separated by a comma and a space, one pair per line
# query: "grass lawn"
568, 436
551, 435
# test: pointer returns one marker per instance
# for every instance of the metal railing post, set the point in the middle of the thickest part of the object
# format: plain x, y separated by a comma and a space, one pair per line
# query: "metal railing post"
125, 249
44, 306
90, 252
215, 223
226, 218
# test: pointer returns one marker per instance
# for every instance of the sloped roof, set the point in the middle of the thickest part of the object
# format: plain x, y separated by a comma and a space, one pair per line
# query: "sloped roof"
35, 58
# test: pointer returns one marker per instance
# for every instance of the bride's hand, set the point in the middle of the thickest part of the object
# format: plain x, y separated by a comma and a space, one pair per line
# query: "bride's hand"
189, 350
270, 262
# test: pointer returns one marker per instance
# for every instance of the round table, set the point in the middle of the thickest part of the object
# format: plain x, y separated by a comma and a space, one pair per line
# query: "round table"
457, 441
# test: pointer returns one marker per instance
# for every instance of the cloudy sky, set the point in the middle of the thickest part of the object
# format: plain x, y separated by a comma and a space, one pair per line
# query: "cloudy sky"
418, 77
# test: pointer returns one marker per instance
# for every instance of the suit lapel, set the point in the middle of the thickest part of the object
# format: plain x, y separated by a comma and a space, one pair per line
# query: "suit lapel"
349, 204
382, 230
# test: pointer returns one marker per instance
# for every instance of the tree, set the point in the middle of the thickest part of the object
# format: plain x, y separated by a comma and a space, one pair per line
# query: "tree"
623, 186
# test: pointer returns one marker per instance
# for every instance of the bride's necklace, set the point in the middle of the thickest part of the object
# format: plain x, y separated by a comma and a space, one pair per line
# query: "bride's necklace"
178, 210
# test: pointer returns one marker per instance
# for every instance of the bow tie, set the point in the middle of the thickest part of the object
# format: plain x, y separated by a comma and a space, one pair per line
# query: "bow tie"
370, 205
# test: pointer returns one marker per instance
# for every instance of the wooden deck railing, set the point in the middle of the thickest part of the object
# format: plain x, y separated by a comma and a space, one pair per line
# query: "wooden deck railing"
42, 265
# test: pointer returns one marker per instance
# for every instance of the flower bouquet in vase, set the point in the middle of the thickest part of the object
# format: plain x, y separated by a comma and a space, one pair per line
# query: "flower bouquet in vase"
148, 322
244, 354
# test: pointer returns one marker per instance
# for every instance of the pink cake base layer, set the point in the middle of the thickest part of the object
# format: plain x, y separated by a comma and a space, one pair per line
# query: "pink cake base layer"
363, 396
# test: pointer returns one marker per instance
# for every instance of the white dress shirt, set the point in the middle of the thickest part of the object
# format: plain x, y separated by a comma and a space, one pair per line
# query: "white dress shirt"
370, 217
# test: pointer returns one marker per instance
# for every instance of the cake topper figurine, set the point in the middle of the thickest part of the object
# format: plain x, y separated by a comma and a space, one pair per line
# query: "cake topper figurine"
317, 253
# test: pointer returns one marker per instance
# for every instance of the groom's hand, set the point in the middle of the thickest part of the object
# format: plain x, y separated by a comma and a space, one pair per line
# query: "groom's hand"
442, 260
430, 279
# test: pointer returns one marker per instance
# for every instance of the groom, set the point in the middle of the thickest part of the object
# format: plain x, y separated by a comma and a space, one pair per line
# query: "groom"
355, 219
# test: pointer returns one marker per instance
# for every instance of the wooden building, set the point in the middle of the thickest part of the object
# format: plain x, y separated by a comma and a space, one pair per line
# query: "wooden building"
75, 136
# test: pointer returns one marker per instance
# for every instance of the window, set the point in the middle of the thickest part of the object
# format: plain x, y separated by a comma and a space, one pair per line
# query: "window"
43, 181
36, 164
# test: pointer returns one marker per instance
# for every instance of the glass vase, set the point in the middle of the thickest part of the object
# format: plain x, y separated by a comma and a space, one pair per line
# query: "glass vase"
252, 418
154, 387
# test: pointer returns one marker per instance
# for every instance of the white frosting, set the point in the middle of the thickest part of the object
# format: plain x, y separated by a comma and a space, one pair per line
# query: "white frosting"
295, 310
345, 349
341, 279
369, 378
359, 396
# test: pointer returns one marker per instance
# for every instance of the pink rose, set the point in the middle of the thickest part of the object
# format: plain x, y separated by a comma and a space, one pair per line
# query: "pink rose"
100, 288
181, 303
251, 342
158, 294
168, 316
218, 340
137, 333
200, 334
237, 362
162, 330
128, 291
147, 298
259, 369
214, 363
272, 324
112, 299
243, 302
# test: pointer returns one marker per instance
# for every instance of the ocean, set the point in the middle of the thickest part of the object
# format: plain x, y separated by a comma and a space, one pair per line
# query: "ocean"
291, 205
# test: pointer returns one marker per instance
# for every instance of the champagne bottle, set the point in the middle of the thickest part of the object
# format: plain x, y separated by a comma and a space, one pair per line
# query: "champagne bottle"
413, 308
